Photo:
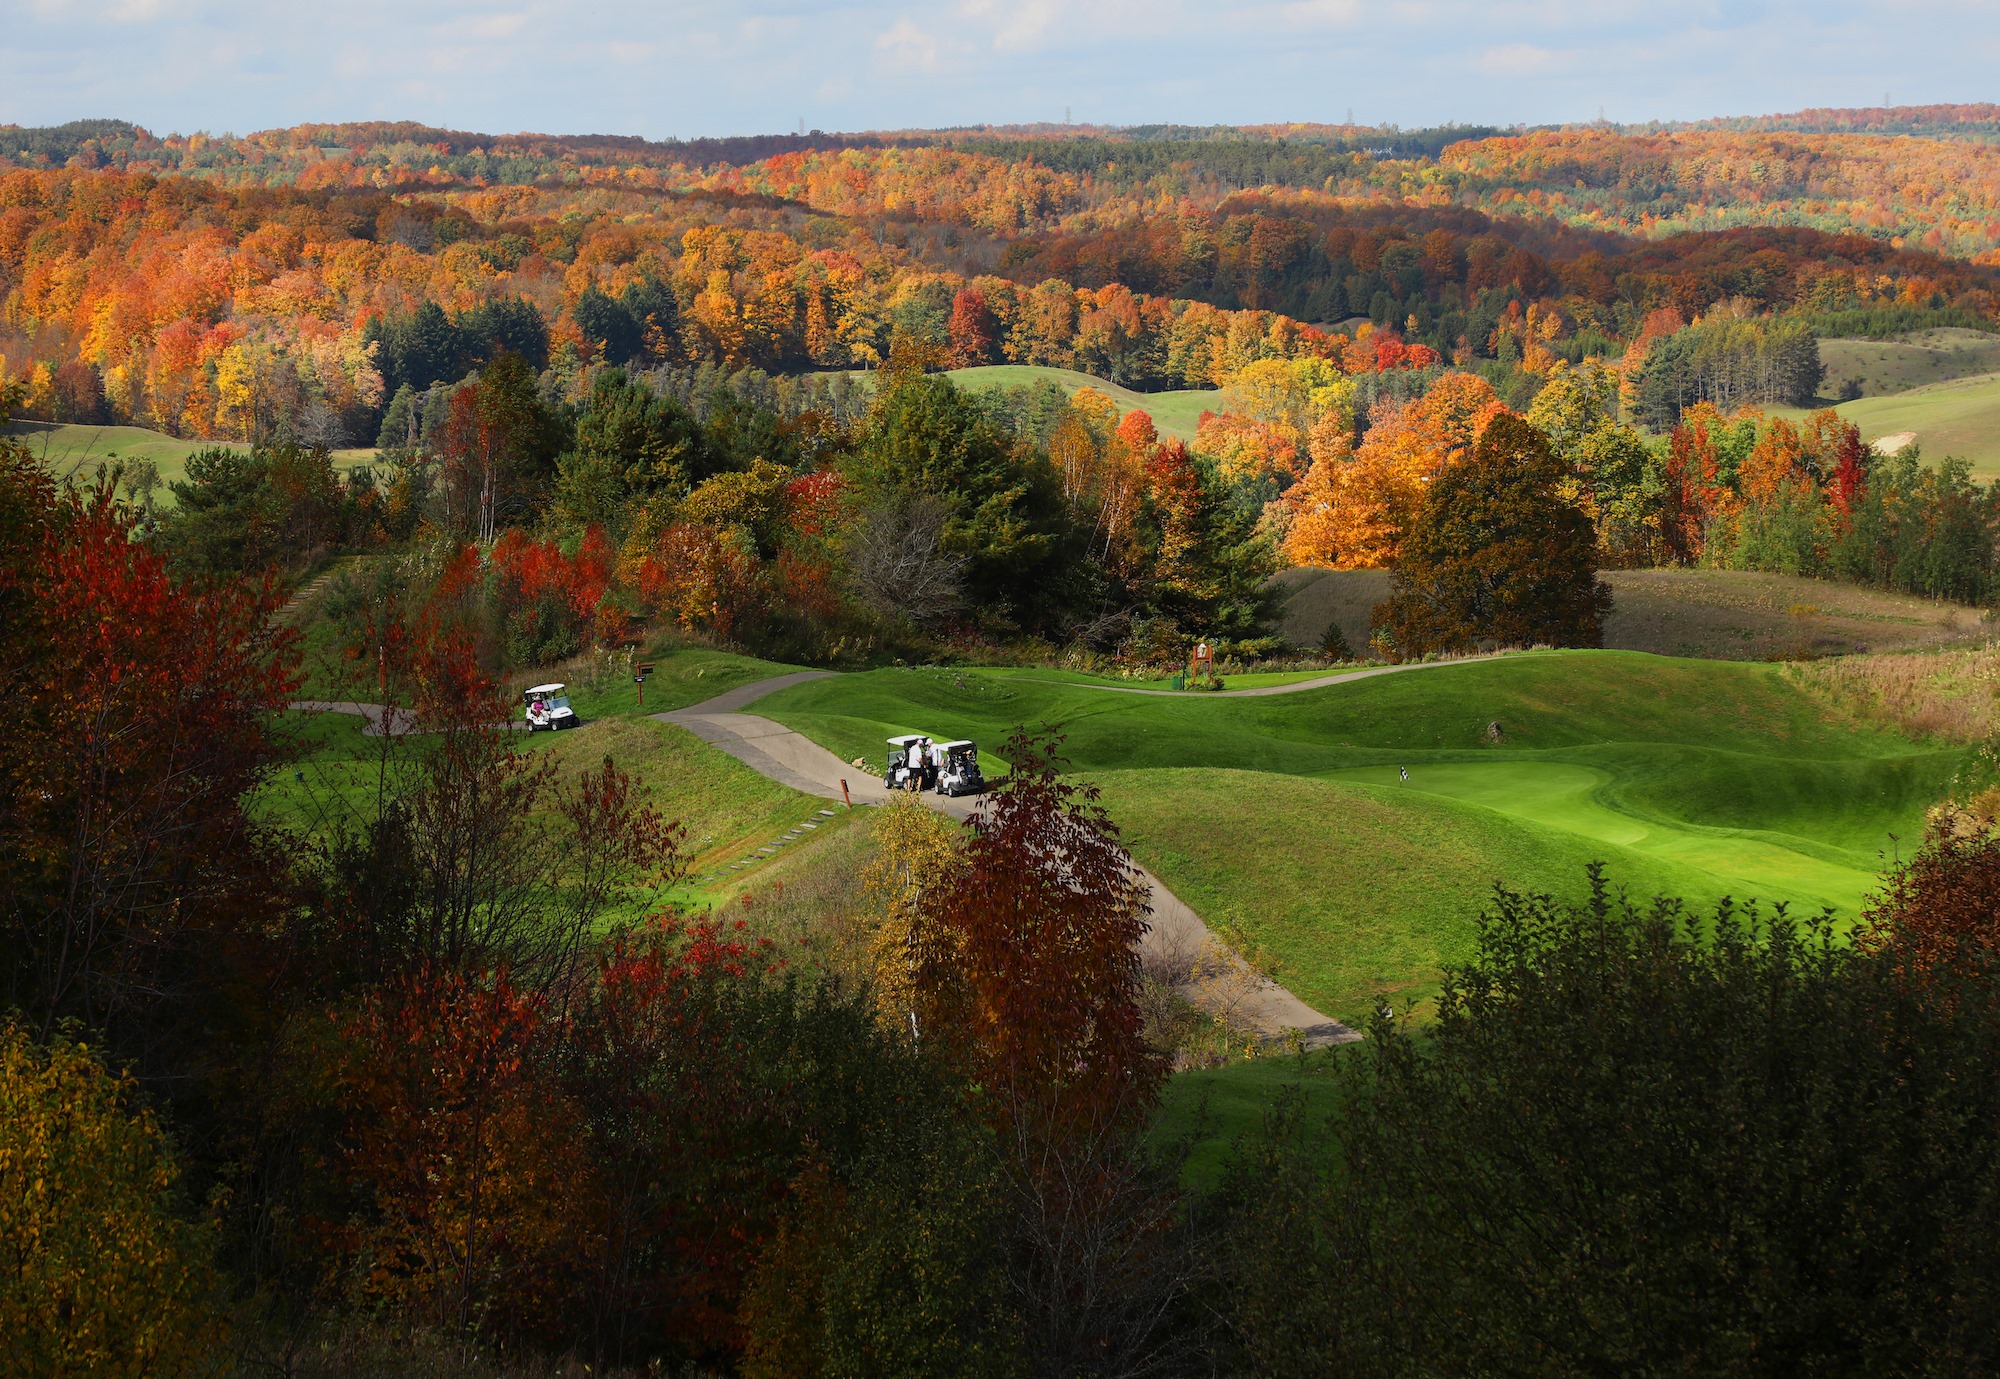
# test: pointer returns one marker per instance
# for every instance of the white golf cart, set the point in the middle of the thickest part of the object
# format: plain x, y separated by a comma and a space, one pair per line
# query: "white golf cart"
548, 707
960, 773
906, 762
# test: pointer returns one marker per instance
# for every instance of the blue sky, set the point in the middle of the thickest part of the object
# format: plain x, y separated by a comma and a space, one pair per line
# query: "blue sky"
701, 67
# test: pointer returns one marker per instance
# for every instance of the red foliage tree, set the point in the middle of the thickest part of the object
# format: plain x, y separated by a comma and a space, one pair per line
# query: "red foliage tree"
139, 712
973, 329
472, 1191
1939, 912
690, 1151
1848, 481
1028, 961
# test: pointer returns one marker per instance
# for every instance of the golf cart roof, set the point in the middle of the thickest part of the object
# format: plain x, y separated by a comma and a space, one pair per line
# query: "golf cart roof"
546, 689
962, 742
906, 739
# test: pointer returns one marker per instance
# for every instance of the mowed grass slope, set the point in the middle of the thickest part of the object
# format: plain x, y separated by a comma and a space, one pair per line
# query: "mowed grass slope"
74, 452
1285, 820
728, 810
1959, 417
1911, 361
1174, 413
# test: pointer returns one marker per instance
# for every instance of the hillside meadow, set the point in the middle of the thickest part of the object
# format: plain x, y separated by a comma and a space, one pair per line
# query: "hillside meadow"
1737, 615
73, 451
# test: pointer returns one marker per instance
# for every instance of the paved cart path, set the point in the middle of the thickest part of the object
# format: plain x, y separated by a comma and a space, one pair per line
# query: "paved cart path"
1176, 935
1260, 691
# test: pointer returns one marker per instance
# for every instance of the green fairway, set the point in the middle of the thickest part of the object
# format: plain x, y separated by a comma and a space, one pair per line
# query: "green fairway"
1285, 820
1174, 413
72, 451
1960, 417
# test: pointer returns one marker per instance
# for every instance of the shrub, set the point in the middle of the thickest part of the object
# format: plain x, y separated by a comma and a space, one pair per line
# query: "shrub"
1641, 1141
101, 1275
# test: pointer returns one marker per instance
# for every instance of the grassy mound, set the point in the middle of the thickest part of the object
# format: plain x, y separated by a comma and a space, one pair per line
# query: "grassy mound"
1174, 413
1286, 821
1913, 361
73, 451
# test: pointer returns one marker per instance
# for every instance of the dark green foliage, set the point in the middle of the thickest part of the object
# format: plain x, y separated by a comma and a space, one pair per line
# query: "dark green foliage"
238, 512
1730, 363
1921, 529
699, 388
644, 321
927, 438
402, 423
429, 347
1221, 591
740, 433
1640, 1142
715, 1105
630, 443
889, 1262
1497, 554
607, 325
508, 326
1031, 411
55, 145
1893, 322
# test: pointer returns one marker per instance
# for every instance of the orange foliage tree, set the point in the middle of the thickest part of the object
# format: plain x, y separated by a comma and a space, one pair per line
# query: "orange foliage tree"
1353, 505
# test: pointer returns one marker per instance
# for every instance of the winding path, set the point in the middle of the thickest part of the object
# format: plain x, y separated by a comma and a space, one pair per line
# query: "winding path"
1177, 937
1260, 691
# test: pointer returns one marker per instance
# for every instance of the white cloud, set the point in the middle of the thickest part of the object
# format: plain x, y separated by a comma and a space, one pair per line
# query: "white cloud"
1522, 60
1019, 26
907, 46
496, 27
1312, 13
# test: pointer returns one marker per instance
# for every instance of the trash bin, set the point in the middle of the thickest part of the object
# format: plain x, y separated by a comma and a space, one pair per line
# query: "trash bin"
1177, 682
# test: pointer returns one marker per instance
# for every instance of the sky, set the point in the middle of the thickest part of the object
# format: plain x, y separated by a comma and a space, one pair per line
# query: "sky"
691, 68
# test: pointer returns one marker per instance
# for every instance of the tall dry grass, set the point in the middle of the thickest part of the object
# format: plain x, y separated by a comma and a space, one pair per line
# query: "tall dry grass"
1952, 696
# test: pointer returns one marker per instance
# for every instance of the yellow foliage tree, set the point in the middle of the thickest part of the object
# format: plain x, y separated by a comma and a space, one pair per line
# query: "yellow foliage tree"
100, 1277
915, 848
